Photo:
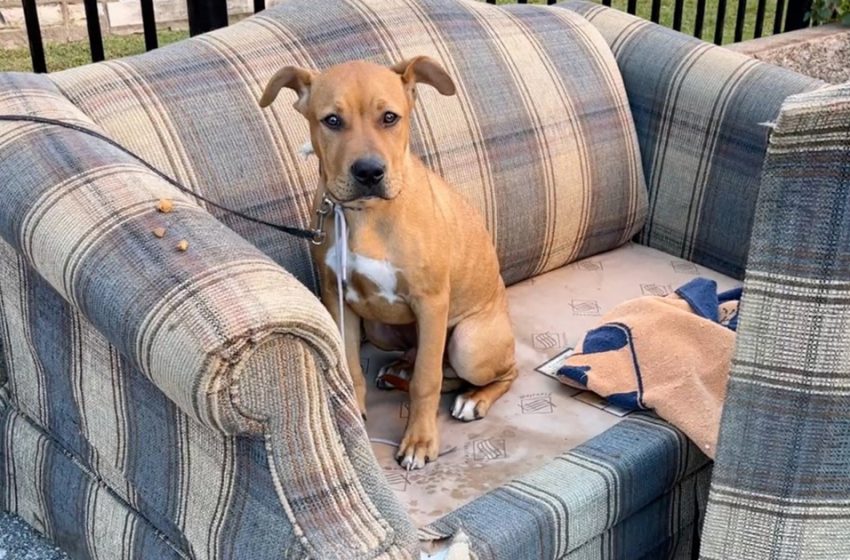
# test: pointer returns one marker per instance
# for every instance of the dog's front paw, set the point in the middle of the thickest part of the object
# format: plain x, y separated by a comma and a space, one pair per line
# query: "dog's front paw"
418, 447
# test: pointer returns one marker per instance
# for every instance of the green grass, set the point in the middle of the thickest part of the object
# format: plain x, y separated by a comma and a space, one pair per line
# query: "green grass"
67, 55
61, 56
689, 14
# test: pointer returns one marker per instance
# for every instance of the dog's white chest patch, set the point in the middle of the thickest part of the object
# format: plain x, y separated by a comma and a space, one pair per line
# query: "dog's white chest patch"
380, 272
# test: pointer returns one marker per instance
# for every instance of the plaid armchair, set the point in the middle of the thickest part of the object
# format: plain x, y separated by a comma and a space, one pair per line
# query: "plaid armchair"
781, 482
167, 404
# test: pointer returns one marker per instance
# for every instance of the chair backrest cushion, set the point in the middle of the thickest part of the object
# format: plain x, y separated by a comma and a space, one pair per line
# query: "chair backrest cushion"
539, 137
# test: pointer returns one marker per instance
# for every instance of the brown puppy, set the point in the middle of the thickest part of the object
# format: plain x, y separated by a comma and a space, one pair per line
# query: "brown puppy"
422, 271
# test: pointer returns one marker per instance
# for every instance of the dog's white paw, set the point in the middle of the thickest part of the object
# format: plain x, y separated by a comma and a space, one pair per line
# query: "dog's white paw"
465, 409
417, 448
411, 462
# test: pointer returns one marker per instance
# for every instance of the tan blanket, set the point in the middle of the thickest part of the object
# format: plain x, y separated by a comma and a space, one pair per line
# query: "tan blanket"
670, 354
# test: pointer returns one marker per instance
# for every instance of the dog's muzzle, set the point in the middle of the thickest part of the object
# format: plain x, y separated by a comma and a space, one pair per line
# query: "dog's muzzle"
368, 174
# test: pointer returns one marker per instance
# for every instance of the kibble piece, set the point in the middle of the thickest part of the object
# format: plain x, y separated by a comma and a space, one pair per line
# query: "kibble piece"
159, 232
165, 205
183, 245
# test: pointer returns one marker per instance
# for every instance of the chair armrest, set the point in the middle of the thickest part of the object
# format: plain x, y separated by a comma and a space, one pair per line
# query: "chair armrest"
700, 113
782, 473
83, 214
228, 335
600, 491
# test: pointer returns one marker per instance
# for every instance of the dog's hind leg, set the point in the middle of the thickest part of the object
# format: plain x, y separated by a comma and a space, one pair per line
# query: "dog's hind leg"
390, 338
475, 404
402, 338
481, 351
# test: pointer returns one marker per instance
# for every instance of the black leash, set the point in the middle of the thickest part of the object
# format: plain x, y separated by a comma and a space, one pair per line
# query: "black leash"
316, 236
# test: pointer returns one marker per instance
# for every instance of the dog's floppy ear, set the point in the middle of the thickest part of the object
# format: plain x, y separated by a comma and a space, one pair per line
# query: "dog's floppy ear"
425, 70
294, 78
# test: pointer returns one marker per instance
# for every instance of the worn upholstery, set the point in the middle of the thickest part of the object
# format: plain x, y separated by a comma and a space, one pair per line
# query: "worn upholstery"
538, 418
583, 501
145, 364
786, 497
702, 115
539, 515
194, 405
174, 378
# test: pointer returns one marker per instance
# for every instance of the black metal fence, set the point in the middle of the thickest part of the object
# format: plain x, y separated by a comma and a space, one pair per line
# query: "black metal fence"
206, 15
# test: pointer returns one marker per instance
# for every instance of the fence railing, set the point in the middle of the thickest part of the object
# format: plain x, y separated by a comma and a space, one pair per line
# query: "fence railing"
787, 15
206, 15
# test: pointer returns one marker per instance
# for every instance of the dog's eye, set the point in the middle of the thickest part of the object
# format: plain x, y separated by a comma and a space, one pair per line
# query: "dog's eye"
390, 118
332, 121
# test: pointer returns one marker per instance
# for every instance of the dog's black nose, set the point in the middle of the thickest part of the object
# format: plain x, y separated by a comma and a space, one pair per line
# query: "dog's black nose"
368, 171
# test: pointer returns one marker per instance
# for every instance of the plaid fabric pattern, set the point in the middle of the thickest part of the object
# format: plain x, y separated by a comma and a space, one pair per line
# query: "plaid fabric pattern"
48, 484
539, 137
162, 375
782, 479
636, 489
192, 404
668, 528
142, 412
700, 111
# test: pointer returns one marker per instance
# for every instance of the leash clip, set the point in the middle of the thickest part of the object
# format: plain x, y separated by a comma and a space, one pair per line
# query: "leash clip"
319, 234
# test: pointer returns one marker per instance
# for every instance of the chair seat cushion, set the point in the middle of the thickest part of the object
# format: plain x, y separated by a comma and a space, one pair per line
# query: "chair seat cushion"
539, 418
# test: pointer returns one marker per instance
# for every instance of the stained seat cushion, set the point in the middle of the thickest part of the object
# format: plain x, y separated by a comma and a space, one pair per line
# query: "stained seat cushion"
539, 418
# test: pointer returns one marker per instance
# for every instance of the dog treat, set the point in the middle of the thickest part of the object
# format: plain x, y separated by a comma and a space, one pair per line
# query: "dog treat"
159, 232
165, 205
182, 245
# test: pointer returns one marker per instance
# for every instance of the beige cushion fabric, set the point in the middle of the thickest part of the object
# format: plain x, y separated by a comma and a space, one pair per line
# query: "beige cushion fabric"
538, 418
